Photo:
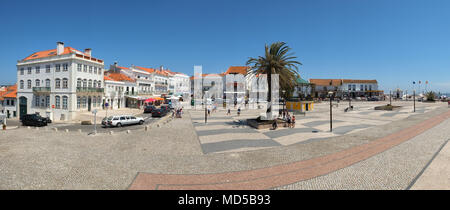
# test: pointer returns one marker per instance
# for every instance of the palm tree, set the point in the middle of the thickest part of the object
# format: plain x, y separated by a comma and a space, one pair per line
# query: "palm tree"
277, 60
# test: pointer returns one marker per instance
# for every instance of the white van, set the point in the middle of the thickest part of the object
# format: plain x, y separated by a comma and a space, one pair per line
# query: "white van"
121, 120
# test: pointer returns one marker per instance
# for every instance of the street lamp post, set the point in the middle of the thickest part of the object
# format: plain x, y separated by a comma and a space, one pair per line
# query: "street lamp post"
390, 97
206, 107
331, 111
414, 99
284, 100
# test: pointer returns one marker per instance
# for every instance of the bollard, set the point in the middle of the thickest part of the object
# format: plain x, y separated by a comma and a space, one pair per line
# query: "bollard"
28, 127
128, 131
146, 128
157, 125
111, 132
55, 129
67, 130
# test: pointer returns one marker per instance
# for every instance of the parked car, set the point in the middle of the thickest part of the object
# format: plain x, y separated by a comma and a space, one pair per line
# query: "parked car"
33, 120
167, 107
122, 120
373, 99
149, 109
159, 112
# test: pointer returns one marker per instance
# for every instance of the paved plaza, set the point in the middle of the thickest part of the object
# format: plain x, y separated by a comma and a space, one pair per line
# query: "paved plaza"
367, 149
228, 133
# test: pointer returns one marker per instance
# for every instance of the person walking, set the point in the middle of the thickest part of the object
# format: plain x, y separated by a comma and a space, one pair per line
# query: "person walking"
239, 111
293, 121
229, 111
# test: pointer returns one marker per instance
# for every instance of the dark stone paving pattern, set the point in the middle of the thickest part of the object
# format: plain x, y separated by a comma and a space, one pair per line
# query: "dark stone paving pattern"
287, 132
348, 128
225, 131
391, 114
317, 123
236, 144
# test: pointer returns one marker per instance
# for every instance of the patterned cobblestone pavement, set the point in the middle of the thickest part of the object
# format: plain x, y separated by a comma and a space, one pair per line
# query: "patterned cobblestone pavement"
229, 133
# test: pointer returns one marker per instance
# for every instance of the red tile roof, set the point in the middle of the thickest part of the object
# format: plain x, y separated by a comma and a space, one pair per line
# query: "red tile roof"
149, 70
118, 77
9, 92
326, 82
237, 70
359, 81
120, 67
52, 52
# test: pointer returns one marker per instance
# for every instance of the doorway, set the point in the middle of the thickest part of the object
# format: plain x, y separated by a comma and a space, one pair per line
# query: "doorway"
22, 106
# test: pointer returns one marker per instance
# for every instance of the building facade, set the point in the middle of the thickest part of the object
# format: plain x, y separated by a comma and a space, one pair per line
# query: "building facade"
117, 87
8, 101
60, 82
343, 88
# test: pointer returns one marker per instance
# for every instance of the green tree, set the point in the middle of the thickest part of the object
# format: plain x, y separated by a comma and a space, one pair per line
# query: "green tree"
277, 60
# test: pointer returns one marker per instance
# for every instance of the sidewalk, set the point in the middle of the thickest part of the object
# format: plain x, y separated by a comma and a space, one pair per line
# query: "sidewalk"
437, 175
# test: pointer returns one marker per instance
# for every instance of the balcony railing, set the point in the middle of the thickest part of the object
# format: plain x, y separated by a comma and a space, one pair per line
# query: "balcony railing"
90, 89
130, 93
41, 89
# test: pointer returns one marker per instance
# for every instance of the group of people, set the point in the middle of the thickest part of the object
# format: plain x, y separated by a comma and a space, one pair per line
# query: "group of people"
238, 111
177, 112
287, 118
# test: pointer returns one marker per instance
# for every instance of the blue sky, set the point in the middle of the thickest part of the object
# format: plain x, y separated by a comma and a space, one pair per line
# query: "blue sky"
393, 41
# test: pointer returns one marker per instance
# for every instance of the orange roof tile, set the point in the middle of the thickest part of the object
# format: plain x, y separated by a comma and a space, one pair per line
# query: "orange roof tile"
118, 77
120, 67
326, 82
52, 52
9, 92
359, 81
237, 70
149, 70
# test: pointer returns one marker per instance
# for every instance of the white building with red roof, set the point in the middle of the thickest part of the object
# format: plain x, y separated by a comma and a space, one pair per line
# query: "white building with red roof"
117, 87
8, 101
60, 82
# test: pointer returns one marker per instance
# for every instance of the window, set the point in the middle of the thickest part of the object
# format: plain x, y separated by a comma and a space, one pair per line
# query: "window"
90, 69
57, 83
78, 82
354, 87
365, 87
79, 67
78, 102
21, 84
95, 101
361, 88
29, 70
47, 69
83, 102
95, 70
38, 83
65, 83
47, 101
47, 83
29, 84
57, 67
95, 83
64, 103
98, 101
370, 87
349, 87
12, 102
36, 101
57, 102
43, 102
99, 70
21, 71
65, 67
90, 83
85, 68
38, 69
85, 83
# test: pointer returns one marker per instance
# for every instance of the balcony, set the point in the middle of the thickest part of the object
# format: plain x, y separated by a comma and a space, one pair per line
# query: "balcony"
89, 90
41, 89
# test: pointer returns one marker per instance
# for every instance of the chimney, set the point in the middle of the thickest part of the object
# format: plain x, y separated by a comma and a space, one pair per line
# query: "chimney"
88, 51
59, 48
